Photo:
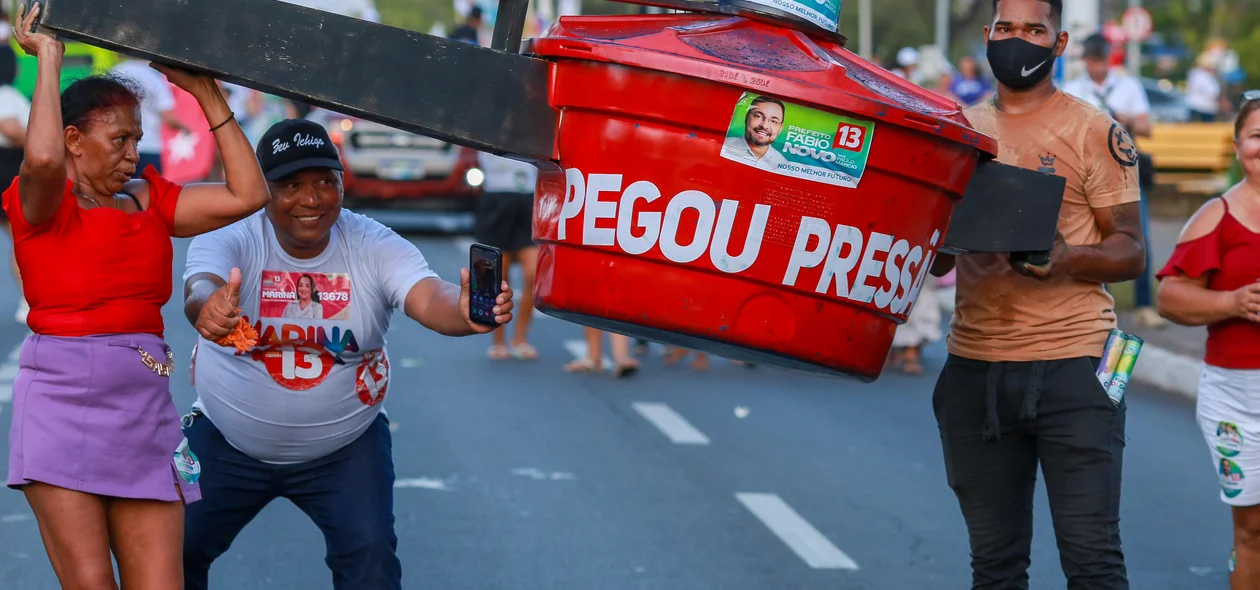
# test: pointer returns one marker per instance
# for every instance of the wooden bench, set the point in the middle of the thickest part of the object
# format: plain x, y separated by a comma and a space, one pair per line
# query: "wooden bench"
1198, 147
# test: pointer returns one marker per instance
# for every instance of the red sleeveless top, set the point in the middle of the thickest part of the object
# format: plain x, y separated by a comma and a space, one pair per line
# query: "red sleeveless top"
96, 271
1230, 256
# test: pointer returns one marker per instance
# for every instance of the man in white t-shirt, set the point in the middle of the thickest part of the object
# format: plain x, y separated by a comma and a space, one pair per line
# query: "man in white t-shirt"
1123, 97
299, 414
156, 108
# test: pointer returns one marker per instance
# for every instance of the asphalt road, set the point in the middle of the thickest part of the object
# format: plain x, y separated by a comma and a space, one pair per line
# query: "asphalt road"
515, 475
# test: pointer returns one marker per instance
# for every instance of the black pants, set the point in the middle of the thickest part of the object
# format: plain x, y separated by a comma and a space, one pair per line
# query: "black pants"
348, 494
997, 422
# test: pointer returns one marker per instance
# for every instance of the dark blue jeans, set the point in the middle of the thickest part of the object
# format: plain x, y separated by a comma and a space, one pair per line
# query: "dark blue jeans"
1142, 287
349, 495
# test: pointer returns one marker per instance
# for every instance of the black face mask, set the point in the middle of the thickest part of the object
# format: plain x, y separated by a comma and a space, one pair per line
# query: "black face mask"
1018, 64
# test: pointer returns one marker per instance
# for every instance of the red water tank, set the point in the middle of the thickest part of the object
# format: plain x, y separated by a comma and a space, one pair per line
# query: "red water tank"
742, 188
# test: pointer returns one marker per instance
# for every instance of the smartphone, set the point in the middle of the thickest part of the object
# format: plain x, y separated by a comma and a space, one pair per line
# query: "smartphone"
485, 269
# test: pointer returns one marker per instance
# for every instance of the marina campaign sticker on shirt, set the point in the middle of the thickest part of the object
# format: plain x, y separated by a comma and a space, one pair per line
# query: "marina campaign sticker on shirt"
304, 295
796, 141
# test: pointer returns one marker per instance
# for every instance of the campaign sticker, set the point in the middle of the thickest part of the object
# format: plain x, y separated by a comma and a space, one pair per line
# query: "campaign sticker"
799, 142
1231, 478
824, 13
1229, 439
186, 463
305, 295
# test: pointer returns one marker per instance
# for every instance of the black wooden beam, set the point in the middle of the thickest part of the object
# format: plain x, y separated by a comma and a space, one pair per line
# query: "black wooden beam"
509, 25
481, 98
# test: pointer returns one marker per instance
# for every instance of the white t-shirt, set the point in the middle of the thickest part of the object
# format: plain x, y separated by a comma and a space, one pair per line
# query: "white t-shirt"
1121, 95
1203, 91
13, 105
505, 175
157, 99
311, 385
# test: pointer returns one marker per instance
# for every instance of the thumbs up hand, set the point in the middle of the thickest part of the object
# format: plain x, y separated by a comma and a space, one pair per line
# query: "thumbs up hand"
221, 312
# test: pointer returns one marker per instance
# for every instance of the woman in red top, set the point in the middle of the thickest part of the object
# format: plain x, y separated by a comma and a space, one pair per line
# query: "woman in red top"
1213, 279
95, 443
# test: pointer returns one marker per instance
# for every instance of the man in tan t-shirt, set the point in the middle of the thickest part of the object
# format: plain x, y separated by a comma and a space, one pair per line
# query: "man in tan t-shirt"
1019, 387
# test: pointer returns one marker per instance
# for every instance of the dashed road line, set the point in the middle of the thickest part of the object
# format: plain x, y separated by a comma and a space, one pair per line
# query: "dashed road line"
800, 536
669, 422
8, 372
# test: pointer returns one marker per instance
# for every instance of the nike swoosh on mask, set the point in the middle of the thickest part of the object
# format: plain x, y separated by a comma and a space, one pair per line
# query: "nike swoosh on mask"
1027, 72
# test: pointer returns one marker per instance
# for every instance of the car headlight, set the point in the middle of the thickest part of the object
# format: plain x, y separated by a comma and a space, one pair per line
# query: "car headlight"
475, 177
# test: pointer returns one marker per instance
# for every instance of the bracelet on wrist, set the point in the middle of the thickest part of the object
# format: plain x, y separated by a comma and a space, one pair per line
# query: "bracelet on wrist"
225, 122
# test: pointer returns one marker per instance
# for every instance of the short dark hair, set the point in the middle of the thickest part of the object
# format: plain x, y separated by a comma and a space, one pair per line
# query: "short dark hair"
1097, 46
1056, 11
84, 98
475, 12
765, 99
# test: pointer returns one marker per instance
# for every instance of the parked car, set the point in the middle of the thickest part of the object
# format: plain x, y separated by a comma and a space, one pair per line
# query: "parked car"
387, 167
1167, 104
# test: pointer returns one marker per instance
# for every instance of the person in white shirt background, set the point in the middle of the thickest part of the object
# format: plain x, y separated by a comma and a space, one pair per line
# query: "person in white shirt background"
1123, 97
15, 109
1203, 88
505, 220
299, 416
157, 108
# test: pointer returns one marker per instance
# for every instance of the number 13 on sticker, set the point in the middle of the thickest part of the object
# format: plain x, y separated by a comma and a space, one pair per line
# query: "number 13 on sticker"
850, 137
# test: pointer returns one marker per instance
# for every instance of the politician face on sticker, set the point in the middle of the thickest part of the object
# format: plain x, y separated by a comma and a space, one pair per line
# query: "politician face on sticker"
763, 123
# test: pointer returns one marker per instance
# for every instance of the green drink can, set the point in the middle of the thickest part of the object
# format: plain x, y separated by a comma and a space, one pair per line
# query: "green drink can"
1124, 369
1111, 356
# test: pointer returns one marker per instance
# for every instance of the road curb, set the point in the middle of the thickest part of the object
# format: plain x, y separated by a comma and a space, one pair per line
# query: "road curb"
1170, 371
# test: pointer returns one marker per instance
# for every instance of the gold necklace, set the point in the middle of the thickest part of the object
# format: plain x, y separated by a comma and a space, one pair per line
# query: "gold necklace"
94, 201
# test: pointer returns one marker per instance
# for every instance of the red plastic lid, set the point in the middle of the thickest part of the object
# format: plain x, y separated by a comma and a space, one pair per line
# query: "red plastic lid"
763, 58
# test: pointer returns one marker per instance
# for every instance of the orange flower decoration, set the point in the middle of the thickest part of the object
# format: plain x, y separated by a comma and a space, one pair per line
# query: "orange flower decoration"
243, 338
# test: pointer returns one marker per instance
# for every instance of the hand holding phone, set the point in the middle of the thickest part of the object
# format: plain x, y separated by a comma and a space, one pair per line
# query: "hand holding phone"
485, 270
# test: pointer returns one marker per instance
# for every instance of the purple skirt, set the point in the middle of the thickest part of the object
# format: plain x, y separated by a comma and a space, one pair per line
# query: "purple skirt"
94, 414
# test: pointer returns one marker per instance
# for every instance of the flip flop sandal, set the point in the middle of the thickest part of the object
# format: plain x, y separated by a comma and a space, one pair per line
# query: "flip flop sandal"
499, 352
523, 352
625, 371
582, 366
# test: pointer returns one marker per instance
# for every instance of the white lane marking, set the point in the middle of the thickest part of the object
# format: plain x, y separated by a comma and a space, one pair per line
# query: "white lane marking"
11, 518
534, 473
801, 537
8, 371
578, 349
6, 395
674, 426
427, 483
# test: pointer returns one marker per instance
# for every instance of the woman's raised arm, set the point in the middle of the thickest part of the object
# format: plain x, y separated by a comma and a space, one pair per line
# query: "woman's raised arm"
42, 177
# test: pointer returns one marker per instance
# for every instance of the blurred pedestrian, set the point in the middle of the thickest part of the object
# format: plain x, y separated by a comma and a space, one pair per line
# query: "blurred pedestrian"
1213, 279
95, 444
624, 365
922, 326
1203, 89
505, 220
470, 31
14, 112
968, 86
1122, 97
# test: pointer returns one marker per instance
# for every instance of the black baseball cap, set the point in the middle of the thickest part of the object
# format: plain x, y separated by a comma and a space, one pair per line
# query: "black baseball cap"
296, 144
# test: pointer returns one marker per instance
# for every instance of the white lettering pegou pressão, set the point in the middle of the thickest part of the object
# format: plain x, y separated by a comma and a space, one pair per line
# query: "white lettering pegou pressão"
878, 269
